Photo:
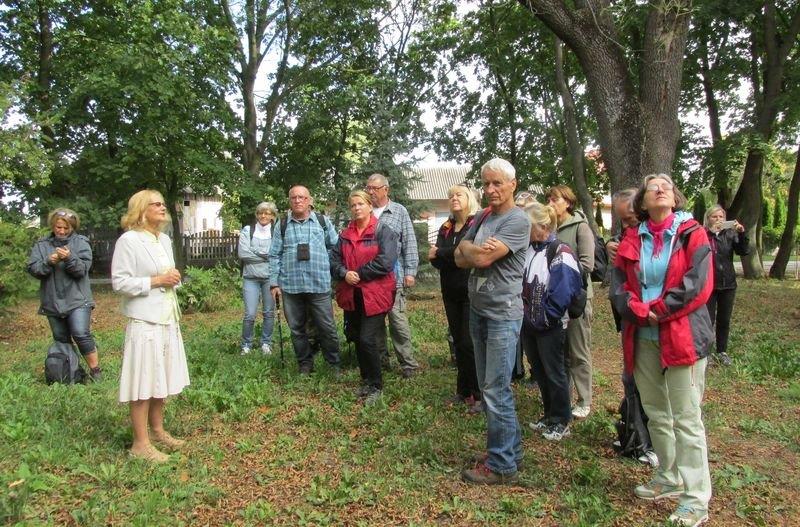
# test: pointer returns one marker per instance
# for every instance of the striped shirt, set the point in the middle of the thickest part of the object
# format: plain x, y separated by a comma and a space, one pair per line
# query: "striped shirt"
308, 276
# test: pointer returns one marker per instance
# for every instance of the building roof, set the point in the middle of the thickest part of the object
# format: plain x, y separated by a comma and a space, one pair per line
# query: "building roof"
435, 181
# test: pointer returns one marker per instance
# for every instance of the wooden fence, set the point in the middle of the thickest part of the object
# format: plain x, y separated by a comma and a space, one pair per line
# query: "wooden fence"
198, 250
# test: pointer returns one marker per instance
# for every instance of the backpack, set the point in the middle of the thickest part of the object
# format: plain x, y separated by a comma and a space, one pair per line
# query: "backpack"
633, 437
577, 305
600, 259
63, 365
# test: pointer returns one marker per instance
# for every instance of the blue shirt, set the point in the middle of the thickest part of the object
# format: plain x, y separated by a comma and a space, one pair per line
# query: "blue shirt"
308, 276
395, 216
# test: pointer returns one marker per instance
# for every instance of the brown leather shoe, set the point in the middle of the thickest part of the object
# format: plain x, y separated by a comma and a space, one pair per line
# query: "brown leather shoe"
483, 475
167, 441
149, 453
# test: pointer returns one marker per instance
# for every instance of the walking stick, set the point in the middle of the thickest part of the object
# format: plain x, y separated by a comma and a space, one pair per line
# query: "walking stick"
280, 331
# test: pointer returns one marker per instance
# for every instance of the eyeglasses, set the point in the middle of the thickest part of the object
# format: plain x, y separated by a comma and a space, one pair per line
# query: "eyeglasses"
370, 188
158, 204
655, 187
298, 198
63, 214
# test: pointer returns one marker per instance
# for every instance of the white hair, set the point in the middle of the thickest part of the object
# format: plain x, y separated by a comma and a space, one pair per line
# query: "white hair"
500, 166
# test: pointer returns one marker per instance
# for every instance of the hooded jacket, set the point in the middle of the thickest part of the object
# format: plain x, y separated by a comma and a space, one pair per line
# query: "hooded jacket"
372, 254
576, 233
685, 332
64, 286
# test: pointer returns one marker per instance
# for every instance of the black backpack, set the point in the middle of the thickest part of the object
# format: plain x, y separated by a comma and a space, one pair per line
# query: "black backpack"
633, 438
578, 303
600, 259
63, 365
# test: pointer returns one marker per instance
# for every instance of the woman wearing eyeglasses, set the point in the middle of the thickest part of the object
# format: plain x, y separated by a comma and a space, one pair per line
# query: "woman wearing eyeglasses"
153, 361
61, 263
660, 285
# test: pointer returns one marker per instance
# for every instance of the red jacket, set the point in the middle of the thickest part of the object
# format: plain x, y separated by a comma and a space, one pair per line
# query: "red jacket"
372, 255
685, 332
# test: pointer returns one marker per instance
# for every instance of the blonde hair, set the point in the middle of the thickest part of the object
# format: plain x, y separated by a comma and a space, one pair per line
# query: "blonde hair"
472, 201
63, 213
359, 194
133, 219
712, 210
543, 215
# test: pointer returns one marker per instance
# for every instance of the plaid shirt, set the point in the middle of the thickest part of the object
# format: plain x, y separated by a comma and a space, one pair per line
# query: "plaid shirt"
309, 276
395, 216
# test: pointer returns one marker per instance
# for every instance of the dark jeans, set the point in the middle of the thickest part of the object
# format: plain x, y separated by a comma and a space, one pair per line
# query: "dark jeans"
720, 308
368, 332
75, 326
546, 351
458, 321
296, 308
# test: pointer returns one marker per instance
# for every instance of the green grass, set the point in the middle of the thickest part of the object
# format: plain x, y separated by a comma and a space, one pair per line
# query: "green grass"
267, 446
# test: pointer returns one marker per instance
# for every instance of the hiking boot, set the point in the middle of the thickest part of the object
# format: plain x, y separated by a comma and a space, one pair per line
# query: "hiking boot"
407, 373
96, 374
266, 349
580, 412
373, 397
167, 441
481, 457
724, 359
363, 391
476, 408
656, 491
539, 425
556, 432
305, 368
688, 516
483, 475
149, 453
245, 350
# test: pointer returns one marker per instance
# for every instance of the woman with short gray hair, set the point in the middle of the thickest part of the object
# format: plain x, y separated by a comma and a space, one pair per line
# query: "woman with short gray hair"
254, 244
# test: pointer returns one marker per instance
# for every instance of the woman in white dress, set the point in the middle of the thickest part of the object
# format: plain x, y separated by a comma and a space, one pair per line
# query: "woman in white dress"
154, 362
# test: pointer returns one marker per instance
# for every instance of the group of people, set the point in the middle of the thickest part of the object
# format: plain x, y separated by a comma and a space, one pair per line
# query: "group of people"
512, 272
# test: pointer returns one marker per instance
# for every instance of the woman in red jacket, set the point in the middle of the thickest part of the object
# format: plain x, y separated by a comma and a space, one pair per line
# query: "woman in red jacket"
363, 260
661, 282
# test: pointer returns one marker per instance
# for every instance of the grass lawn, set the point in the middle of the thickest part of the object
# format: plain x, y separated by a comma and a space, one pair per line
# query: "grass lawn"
269, 447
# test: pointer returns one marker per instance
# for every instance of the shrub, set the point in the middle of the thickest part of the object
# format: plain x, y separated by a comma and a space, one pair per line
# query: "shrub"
15, 246
206, 290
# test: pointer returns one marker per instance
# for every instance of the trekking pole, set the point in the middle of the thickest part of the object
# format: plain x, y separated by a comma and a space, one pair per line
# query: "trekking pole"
280, 330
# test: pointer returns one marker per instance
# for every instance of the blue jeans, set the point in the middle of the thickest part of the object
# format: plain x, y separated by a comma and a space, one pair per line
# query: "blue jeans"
252, 289
75, 326
295, 308
495, 343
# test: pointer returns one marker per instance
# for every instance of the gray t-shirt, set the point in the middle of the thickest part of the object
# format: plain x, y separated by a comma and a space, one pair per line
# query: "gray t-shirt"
496, 292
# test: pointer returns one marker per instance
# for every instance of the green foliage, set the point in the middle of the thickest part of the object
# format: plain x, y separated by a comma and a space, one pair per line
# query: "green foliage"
770, 355
699, 207
207, 290
15, 246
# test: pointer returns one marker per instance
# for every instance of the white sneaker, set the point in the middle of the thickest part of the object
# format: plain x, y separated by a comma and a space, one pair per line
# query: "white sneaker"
245, 350
266, 349
580, 412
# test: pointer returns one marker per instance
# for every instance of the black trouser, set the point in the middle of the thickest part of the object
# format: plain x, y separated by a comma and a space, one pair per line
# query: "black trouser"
369, 331
457, 312
720, 308
546, 351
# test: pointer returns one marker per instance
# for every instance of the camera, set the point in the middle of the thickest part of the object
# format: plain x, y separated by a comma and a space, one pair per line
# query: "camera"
303, 252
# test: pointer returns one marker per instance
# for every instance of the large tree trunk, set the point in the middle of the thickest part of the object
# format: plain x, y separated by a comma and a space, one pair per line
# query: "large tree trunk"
44, 74
576, 151
638, 133
787, 244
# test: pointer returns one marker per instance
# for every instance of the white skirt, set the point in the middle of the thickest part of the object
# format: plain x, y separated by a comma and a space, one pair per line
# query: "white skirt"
153, 362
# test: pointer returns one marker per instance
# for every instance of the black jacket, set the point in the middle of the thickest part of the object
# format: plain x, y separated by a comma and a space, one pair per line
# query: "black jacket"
723, 245
453, 279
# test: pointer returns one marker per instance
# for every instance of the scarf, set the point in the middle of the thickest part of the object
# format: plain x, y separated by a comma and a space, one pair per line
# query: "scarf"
657, 230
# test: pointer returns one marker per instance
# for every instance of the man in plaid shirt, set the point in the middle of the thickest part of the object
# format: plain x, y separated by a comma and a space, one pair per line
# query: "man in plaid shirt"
300, 275
396, 217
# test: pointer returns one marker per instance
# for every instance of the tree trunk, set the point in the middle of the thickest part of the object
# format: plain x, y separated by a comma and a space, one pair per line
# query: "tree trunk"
787, 244
44, 74
719, 169
576, 151
172, 197
750, 216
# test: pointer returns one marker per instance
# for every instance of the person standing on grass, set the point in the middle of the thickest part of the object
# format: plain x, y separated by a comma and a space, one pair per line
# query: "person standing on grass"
254, 244
724, 242
575, 232
153, 358
363, 262
301, 276
61, 262
453, 282
494, 248
395, 216
660, 283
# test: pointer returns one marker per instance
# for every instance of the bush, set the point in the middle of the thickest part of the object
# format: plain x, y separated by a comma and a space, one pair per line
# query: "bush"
15, 246
206, 290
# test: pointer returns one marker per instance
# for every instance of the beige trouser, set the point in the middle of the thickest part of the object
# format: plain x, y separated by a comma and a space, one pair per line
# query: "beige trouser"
671, 399
579, 355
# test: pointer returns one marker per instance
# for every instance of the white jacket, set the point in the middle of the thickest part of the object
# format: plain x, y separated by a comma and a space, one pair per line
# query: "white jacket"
132, 266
